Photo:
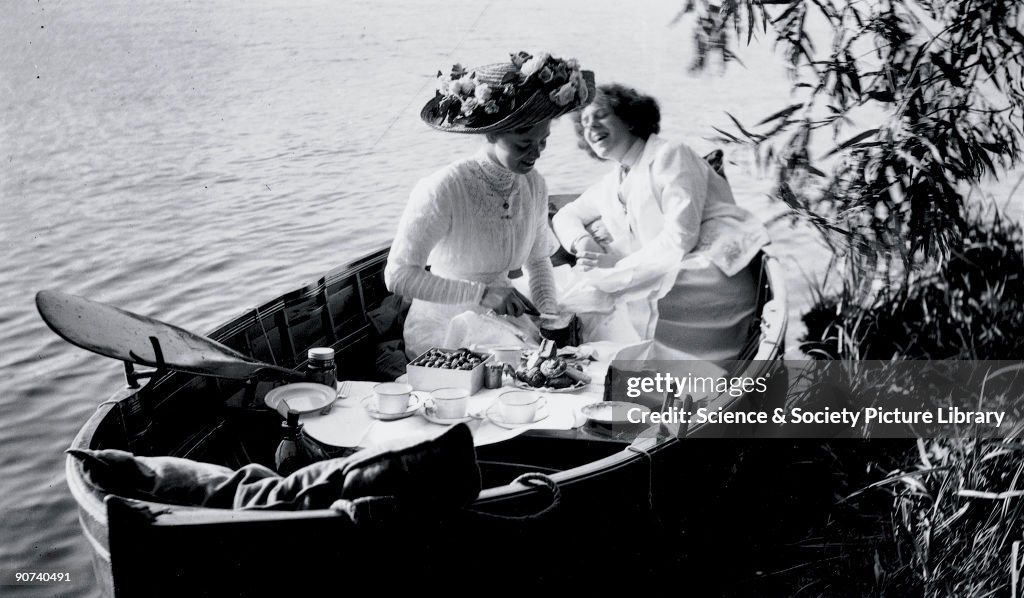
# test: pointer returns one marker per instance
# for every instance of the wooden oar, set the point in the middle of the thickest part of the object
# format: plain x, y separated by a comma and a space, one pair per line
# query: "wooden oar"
123, 335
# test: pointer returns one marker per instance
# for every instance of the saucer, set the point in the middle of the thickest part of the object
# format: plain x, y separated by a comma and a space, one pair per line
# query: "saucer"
493, 413
429, 413
301, 397
370, 404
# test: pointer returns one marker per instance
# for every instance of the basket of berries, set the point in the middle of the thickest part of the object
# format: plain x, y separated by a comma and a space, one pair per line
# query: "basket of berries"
447, 368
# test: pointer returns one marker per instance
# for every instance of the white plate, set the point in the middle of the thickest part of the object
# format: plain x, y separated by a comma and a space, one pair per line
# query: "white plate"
493, 413
301, 397
611, 412
430, 414
520, 384
370, 404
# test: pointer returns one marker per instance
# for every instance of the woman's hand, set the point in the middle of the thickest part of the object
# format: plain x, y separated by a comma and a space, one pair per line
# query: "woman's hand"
600, 233
508, 301
590, 254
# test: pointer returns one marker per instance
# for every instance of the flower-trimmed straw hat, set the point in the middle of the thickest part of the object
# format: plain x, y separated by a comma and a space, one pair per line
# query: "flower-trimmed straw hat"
526, 90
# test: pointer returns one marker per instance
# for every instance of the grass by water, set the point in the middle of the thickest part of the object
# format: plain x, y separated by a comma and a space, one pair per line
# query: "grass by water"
870, 517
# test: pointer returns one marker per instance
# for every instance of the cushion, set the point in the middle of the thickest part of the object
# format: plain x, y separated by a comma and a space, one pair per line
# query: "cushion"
169, 480
437, 473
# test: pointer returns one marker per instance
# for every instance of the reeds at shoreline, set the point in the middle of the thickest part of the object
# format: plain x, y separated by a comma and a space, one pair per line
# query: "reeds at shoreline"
947, 519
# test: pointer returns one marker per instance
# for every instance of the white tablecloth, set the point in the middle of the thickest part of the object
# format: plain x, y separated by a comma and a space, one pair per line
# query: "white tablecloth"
350, 425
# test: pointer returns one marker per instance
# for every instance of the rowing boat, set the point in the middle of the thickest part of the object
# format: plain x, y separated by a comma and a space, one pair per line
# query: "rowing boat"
609, 488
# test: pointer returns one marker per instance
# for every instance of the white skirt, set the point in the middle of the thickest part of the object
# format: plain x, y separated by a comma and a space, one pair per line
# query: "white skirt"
708, 314
430, 325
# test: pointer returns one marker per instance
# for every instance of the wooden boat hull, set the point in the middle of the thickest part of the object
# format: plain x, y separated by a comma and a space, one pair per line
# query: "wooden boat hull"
604, 480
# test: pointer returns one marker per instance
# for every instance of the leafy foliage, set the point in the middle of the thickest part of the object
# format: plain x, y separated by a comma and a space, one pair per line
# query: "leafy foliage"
946, 520
796, 535
925, 276
958, 517
970, 307
948, 75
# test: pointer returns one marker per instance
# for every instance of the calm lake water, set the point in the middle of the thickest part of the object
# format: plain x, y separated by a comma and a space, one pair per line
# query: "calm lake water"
191, 160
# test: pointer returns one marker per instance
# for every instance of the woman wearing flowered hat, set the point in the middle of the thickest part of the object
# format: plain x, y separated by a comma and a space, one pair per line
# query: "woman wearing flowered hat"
674, 247
482, 216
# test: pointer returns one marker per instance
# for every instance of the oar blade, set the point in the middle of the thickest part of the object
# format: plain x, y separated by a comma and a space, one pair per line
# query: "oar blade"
127, 336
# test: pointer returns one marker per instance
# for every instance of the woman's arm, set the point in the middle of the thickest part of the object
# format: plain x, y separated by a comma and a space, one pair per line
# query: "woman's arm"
680, 178
426, 220
570, 222
542, 285
538, 264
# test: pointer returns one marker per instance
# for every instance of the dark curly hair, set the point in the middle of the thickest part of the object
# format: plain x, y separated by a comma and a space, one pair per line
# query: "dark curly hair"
640, 112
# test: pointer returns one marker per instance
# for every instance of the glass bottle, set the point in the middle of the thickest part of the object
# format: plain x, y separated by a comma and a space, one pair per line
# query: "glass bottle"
296, 450
320, 367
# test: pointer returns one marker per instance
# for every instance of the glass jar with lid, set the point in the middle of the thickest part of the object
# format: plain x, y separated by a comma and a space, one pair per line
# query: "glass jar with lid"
320, 367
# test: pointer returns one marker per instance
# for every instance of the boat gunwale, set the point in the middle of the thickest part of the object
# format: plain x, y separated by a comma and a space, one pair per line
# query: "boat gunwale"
168, 514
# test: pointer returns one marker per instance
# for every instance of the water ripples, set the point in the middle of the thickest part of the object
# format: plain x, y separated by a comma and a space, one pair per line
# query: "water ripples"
189, 162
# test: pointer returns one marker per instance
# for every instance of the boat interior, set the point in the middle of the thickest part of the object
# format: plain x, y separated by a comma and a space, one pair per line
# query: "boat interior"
600, 477
224, 421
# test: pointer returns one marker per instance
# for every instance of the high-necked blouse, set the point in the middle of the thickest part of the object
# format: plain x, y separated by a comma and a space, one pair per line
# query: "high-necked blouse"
471, 222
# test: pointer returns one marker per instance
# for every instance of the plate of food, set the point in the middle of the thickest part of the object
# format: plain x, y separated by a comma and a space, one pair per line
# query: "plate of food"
544, 370
573, 388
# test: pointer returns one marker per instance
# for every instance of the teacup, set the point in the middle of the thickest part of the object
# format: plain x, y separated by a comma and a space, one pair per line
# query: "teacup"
450, 403
519, 406
392, 397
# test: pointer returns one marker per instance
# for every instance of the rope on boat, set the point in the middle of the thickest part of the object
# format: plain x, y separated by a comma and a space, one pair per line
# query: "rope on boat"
650, 474
532, 480
538, 480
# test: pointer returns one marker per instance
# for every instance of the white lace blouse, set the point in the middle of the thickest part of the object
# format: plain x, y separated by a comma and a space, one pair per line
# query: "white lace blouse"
472, 222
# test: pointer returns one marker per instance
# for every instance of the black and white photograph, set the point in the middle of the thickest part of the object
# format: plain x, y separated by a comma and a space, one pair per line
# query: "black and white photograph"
704, 297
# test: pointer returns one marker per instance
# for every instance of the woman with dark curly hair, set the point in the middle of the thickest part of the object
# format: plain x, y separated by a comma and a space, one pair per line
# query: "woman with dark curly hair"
661, 235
